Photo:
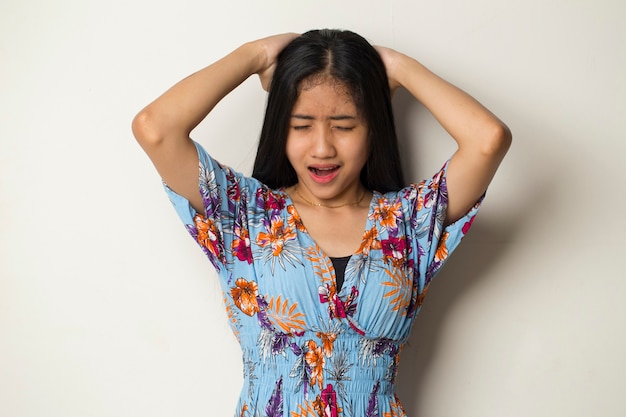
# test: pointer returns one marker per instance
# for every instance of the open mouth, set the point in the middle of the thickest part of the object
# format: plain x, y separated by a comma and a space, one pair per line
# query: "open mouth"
323, 172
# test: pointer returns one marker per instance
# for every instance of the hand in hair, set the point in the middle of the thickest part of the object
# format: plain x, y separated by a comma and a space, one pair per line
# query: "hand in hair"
269, 49
389, 56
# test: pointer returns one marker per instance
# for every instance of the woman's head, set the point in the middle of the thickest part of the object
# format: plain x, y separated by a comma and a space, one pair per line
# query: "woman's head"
348, 59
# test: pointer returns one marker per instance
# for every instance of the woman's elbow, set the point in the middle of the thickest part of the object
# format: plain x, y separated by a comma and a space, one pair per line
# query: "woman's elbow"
498, 141
145, 130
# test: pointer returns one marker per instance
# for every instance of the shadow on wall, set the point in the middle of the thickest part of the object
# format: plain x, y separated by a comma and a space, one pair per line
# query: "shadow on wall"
483, 248
470, 263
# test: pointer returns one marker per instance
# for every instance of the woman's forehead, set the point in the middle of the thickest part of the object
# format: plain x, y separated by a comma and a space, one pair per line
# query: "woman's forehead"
323, 91
324, 78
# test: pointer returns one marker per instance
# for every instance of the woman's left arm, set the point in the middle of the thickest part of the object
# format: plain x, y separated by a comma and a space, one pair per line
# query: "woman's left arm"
482, 138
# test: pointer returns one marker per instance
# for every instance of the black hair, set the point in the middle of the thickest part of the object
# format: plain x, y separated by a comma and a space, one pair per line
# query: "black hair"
348, 58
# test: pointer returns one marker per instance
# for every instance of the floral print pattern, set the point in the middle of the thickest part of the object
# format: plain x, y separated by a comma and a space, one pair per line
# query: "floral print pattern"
309, 349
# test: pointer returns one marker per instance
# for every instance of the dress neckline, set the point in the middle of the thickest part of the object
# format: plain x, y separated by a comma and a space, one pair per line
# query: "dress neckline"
339, 258
289, 202
368, 226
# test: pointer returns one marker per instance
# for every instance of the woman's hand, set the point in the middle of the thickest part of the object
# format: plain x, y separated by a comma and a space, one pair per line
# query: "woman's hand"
269, 48
390, 59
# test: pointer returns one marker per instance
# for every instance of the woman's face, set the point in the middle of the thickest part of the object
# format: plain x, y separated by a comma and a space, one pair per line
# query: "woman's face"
327, 142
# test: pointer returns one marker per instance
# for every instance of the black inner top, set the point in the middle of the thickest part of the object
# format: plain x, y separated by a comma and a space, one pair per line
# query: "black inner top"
340, 269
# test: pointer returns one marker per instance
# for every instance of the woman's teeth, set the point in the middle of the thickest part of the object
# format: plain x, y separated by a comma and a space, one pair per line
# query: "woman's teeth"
323, 171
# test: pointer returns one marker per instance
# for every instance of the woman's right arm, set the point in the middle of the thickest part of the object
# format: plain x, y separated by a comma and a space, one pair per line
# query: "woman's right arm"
163, 127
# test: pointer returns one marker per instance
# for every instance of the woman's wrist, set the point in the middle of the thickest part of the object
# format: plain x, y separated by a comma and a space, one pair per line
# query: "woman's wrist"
393, 61
249, 58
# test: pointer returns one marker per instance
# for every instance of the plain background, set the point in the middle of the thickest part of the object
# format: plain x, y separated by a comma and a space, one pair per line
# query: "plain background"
108, 308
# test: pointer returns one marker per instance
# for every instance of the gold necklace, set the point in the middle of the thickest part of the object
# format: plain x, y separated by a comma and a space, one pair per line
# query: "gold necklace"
327, 206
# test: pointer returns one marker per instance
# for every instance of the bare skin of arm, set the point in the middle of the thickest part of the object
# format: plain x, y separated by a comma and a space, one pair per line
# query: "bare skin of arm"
163, 127
482, 139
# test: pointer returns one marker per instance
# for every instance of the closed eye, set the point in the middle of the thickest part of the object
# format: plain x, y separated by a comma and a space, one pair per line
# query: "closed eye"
300, 127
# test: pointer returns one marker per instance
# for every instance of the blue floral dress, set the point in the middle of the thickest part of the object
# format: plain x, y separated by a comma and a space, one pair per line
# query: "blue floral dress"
308, 349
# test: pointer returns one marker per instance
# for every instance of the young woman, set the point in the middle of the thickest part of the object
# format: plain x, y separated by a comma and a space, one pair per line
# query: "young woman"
324, 255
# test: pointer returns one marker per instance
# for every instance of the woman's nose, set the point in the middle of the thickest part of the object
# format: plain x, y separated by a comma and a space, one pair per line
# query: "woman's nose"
322, 146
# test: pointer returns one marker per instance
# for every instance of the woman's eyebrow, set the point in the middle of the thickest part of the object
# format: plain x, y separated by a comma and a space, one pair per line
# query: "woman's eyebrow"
337, 117
342, 117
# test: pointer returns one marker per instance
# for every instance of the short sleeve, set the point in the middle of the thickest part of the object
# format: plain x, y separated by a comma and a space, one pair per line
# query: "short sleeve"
427, 203
225, 196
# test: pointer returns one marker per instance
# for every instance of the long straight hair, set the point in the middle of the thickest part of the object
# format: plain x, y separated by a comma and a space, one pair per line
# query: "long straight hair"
349, 59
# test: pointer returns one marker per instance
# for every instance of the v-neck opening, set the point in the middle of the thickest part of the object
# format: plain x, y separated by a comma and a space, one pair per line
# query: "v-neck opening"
327, 258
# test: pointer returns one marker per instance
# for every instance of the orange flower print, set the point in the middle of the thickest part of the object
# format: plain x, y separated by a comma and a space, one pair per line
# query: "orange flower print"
208, 235
294, 219
244, 296
318, 404
316, 361
388, 213
327, 342
276, 236
396, 409
442, 249
421, 296
278, 243
400, 289
370, 241
306, 410
420, 196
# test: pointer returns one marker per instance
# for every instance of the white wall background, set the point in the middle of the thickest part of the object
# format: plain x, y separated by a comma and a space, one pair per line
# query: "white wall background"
107, 308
